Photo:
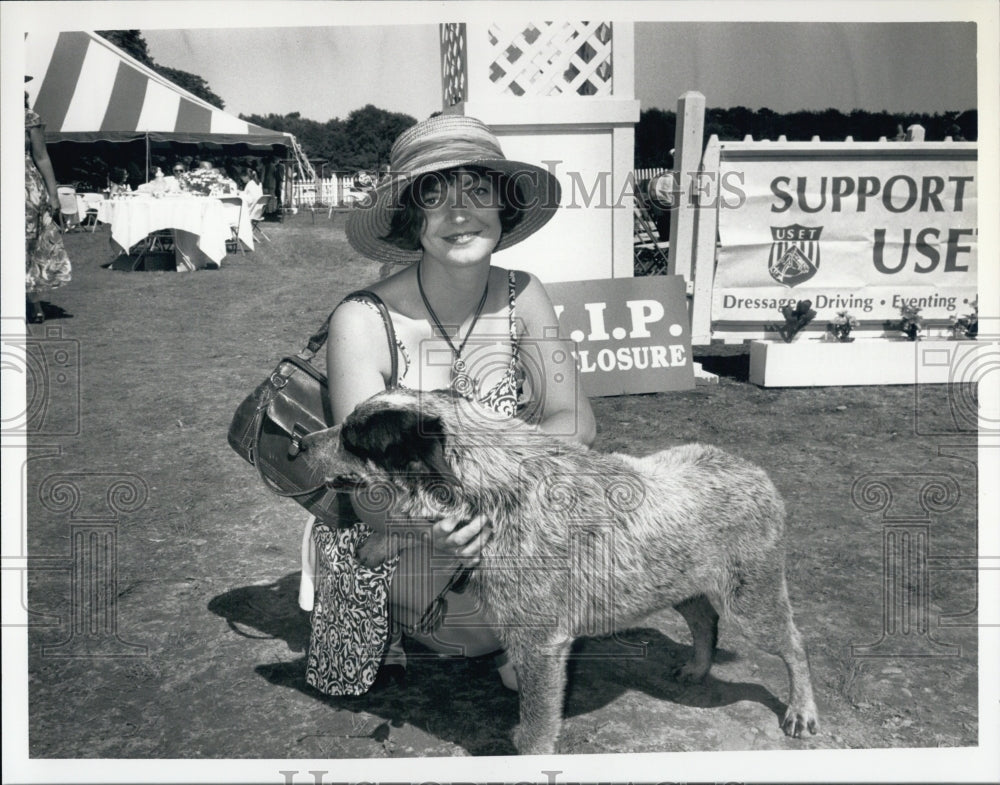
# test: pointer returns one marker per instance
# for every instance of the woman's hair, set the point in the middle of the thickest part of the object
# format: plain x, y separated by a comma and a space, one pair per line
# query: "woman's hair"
407, 220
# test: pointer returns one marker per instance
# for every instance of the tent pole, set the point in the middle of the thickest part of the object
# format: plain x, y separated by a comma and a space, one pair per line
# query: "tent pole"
147, 156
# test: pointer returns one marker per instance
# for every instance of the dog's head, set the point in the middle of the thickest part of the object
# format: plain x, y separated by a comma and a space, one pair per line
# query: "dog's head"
399, 432
394, 445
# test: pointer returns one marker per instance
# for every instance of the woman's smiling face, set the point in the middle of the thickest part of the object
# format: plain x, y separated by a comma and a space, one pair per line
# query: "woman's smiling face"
461, 212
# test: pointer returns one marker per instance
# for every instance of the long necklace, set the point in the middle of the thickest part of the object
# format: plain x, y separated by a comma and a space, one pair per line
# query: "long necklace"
461, 381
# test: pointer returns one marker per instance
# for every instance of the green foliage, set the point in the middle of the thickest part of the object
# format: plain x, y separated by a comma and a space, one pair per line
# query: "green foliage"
130, 41
362, 141
654, 137
192, 83
654, 134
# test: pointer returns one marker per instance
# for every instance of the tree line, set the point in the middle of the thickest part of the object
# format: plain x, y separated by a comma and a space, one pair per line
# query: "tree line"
362, 141
654, 133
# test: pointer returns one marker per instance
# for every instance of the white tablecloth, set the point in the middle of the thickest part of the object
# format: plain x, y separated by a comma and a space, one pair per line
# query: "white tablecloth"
132, 218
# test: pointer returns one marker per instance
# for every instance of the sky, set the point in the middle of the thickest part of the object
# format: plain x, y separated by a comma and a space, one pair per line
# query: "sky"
325, 72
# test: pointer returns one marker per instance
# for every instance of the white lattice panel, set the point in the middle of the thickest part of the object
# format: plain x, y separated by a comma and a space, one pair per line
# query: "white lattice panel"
551, 58
454, 66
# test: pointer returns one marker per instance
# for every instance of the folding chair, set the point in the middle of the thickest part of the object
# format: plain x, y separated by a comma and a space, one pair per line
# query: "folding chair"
160, 240
69, 210
234, 212
257, 218
91, 208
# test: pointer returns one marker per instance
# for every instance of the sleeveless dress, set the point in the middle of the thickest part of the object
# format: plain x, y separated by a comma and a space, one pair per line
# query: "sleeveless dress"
350, 601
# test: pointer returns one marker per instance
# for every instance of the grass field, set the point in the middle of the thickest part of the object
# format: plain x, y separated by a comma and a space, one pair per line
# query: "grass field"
133, 446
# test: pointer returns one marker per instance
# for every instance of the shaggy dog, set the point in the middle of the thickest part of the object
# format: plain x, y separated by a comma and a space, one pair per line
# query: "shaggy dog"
583, 543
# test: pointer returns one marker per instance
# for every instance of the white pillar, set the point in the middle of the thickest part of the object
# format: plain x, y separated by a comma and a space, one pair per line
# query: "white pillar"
559, 95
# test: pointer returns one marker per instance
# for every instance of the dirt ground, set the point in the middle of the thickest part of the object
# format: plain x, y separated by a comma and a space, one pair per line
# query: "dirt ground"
206, 657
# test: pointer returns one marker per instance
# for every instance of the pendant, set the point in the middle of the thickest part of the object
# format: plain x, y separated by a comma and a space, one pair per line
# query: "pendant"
461, 382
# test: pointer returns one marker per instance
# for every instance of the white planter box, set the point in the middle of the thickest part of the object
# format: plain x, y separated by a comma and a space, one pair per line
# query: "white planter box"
812, 363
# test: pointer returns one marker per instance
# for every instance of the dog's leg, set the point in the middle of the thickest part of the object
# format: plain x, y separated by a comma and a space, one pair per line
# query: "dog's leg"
704, 623
541, 676
765, 614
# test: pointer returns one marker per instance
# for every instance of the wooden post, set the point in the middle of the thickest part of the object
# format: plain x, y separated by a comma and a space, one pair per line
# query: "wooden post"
687, 157
706, 227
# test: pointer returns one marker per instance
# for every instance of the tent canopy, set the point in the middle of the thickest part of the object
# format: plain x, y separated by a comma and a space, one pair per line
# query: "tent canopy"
88, 90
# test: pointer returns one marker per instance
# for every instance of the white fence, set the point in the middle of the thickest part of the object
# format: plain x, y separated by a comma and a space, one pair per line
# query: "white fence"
324, 191
647, 174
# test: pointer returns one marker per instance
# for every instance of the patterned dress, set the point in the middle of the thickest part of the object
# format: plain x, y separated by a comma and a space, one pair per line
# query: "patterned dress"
350, 602
46, 263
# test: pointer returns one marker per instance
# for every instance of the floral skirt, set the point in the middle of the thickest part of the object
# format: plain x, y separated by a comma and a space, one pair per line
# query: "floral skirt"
350, 617
47, 264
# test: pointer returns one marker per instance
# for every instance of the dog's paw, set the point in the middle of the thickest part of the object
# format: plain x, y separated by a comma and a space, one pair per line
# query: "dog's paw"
375, 550
798, 720
689, 673
533, 743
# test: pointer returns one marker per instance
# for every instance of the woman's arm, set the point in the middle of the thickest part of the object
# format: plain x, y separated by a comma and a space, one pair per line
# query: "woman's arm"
565, 410
357, 357
40, 155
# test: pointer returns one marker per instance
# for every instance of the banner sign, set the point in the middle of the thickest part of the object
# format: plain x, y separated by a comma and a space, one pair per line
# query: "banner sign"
631, 334
859, 228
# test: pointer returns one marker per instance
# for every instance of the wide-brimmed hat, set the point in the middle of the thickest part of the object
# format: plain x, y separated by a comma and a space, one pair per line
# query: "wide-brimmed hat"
436, 144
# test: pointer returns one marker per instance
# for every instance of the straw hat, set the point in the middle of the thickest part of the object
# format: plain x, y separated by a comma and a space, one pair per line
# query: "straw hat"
445, 142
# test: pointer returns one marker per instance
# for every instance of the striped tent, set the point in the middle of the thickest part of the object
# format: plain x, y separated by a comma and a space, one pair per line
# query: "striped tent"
88, 90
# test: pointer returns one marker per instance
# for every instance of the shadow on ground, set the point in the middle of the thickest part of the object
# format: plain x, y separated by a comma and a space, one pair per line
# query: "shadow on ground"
732, 364
461, 700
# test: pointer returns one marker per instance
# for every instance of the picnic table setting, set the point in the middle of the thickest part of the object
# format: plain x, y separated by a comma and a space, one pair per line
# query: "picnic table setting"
200, 216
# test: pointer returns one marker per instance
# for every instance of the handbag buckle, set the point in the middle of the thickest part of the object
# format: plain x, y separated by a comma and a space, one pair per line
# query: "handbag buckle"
296, 446
278, 381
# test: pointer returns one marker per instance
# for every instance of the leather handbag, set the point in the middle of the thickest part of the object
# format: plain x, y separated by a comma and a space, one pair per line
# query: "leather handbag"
292, 402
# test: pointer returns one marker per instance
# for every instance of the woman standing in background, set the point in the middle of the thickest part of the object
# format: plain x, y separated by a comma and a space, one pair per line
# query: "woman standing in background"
47, 265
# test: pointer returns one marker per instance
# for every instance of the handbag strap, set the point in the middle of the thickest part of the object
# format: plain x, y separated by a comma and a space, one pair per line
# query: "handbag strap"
316, 342
319, 337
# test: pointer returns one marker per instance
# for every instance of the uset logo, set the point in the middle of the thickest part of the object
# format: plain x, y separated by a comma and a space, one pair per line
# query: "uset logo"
794, 256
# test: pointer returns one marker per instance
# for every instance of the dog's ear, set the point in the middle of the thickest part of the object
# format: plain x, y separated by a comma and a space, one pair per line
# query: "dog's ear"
399, 440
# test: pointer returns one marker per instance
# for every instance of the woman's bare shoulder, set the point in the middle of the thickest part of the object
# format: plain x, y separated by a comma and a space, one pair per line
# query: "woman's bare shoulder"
532, 297
398, 291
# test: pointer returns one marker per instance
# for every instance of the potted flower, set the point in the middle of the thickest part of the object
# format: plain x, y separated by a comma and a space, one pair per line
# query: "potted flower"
207, 182
966, 328
795, 319
840, 328
910, 322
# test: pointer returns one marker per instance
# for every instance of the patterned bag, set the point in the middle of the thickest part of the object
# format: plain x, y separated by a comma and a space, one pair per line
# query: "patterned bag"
350, 618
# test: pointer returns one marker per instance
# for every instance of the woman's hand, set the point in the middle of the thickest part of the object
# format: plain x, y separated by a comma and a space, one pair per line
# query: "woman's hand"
464, 540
